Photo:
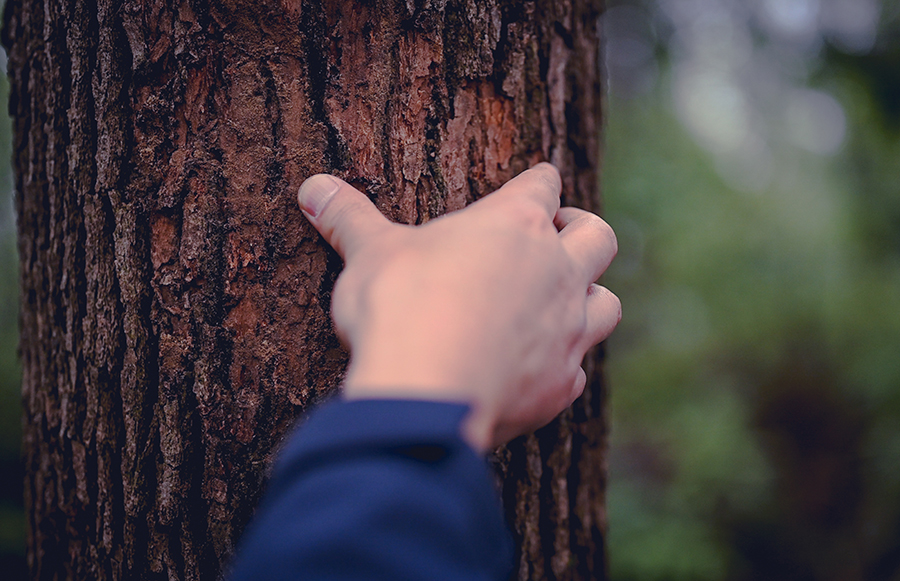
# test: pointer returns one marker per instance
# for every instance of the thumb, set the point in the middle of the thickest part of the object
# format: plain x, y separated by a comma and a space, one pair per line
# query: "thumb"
343, 215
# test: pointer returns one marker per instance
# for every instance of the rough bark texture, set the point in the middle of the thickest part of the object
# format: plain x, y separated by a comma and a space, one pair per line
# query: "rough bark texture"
174, 300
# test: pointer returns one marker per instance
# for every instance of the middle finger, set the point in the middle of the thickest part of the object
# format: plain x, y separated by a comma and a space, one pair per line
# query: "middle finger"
588, 240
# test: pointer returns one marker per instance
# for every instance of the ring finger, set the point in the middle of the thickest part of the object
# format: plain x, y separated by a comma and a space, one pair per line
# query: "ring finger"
603, 313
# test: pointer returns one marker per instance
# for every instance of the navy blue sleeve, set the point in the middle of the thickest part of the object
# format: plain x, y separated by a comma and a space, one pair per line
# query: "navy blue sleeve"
378, 489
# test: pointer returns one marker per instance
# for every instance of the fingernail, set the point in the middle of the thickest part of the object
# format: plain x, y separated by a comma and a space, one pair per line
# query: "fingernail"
316, 192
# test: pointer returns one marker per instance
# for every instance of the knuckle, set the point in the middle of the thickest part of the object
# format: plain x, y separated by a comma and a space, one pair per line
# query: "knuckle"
603, 232
612, 240
615, 306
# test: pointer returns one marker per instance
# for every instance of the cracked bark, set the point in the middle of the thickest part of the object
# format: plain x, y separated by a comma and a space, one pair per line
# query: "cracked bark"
174, 314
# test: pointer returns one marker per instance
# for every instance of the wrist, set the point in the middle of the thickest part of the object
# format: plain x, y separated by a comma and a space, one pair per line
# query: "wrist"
478, 427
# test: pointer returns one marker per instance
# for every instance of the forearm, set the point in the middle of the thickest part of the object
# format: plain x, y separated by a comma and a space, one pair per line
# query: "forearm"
379, 490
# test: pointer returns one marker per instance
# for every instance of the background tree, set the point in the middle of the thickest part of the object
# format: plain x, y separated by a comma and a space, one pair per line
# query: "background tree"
174, 317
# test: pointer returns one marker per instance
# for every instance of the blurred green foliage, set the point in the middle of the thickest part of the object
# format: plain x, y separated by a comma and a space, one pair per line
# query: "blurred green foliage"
756, 372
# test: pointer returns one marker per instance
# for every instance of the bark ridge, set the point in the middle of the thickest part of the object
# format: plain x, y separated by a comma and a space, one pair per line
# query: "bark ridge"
175, 302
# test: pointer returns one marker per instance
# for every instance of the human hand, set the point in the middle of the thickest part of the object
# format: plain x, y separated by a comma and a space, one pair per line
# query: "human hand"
493, 305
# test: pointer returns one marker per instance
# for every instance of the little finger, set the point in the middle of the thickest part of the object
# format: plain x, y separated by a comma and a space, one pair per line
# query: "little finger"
578, 385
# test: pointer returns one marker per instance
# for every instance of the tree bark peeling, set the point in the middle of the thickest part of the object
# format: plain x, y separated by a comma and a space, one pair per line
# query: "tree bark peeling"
175, 303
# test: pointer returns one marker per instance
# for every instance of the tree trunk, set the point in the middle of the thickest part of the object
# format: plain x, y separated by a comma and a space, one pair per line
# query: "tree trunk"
175, 302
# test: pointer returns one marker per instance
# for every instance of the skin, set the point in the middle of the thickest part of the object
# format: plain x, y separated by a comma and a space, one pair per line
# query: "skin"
493, 306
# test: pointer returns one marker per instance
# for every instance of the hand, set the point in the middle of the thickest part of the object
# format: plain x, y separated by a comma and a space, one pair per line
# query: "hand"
493, 305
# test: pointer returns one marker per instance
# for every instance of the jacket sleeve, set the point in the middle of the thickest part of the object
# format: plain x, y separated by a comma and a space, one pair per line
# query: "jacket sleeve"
378, 489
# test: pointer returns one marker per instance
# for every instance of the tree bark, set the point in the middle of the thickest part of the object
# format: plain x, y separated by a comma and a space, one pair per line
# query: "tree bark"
175, 302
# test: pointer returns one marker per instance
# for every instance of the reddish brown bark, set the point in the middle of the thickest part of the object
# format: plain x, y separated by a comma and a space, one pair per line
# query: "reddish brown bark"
174, 300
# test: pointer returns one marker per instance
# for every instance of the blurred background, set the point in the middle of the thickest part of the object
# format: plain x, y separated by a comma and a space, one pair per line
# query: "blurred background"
752, 173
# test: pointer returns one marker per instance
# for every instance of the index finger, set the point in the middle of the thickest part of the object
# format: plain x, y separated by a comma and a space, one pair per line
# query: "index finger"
540, 184
343, 215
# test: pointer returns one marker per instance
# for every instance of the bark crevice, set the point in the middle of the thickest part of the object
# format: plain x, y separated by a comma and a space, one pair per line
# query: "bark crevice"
175, 303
